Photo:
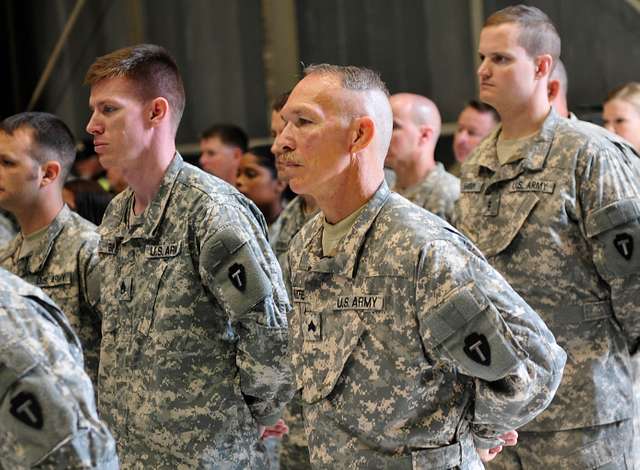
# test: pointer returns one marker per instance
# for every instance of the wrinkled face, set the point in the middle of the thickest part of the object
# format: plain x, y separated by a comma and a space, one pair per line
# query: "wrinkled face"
257, 182
405, 139
219, 159
120, 123
506, 73
20, 174
314, 145
473, 126
277, 126
623, 118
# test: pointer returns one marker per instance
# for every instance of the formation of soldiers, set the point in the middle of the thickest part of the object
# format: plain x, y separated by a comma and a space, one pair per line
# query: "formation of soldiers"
385, 336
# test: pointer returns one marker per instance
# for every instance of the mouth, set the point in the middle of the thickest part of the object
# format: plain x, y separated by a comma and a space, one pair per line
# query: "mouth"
99, 147
287, 160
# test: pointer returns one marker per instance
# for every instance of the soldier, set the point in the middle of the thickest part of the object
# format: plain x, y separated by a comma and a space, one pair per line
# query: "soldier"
419, 178
55, 249
222, 147
409, 349
554, 205
192, 364
7, 230
475, 122
48, 416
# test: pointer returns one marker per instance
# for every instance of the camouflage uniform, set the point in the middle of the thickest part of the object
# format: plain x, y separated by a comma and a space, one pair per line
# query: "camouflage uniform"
7, 230
560, 225
437, 193
48, 416
62, 266
378, 340
194, 341
294, 449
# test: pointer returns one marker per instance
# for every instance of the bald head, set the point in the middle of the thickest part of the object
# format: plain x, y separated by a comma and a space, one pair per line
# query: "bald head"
419, 109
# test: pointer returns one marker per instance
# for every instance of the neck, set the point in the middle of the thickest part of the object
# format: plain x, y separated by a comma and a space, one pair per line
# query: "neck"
39, 214
145, 179
522, 121
309, 204
351, 192
410, 174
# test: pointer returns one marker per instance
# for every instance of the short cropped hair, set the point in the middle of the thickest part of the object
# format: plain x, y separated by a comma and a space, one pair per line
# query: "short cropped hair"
280, 101
229, 134
484, 108
560, 73
629, 92
265, 158
351, 77
51, 139
150, 68
537, 35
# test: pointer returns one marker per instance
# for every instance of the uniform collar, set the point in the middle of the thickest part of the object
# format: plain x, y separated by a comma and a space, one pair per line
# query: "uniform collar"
41, 251
349, 249
534, 155
115, 224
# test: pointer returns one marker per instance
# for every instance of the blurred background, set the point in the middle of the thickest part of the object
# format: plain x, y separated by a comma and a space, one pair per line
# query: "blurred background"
237, 55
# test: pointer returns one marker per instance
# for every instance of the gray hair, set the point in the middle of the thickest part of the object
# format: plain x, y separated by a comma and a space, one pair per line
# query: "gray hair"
351, 77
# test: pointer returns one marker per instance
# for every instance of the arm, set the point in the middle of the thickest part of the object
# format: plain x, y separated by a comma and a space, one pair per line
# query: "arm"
239, 269
473, 320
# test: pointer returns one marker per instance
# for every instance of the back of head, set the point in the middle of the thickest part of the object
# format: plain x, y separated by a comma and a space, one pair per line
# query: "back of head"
265, 158
422, 111
363, 81
484, 108
150, 68
51, 139
537, 33
629, 92
280, 101
229, 134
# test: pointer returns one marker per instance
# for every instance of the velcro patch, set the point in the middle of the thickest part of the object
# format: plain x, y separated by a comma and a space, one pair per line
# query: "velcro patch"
471, 186
51, 280
537, 186
298, 294
26, 408
360, 302
168, 250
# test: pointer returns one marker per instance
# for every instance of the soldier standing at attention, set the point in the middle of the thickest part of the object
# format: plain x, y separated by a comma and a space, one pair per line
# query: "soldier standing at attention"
55, 249
193, 363
419, 178
48, 415
554, 204
410, 351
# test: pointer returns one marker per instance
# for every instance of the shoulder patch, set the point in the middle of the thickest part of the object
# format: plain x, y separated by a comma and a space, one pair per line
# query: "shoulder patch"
26, 408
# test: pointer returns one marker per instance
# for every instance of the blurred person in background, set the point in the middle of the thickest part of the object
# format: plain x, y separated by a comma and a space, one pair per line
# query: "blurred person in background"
222, 147
258, 180
475, 122
87, 198
621, 113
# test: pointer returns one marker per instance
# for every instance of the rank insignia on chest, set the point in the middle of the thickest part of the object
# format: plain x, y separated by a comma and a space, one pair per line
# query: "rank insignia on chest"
298, 294
107, 246
124, 290
312, 327
492, 204
624, 244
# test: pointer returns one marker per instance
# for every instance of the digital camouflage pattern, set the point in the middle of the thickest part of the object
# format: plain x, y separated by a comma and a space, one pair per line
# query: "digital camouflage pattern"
408, 347
562, 225
291, 220
7, 230
62, 265
48, 416
437, 193
194, 347
294, 450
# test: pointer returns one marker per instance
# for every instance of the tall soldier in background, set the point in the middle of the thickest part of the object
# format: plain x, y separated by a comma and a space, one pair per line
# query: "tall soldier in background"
554, 204
193, 363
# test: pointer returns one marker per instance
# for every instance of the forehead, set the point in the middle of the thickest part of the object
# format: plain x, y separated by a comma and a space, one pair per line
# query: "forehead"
317, 92
20, 140
618, 106
116, 88
500, 37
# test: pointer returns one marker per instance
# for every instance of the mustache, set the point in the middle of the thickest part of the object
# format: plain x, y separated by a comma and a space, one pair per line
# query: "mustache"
288, 157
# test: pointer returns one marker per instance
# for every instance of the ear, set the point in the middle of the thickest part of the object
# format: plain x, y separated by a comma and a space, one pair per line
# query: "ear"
50, 172
237, 154
159, 111
553, 88
426, 134
543, 65
363, 130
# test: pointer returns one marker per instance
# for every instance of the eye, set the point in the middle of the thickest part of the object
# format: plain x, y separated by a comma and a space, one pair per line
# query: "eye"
7, 163
107, 109
499, 59
620, 120
302, 121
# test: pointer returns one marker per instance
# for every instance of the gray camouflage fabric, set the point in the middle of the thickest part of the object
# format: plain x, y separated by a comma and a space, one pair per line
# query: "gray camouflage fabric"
63, 267
48, 416
561, 224
194, 347
378, 340
291, 220
437, 193
7, 230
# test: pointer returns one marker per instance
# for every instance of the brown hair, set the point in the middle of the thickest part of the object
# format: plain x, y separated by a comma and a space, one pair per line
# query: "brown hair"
537, 35
629, 92
152, 70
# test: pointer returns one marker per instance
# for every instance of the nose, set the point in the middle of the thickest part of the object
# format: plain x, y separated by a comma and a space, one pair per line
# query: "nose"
93, 127
284, 141
483, 69
609, 126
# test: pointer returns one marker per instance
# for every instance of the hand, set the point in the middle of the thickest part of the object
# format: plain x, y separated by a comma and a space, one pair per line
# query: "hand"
510, 438
277, 430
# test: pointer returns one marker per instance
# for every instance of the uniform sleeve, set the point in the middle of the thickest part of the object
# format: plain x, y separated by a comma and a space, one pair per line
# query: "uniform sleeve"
47, 410
610, 197
240, 270
472, 320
